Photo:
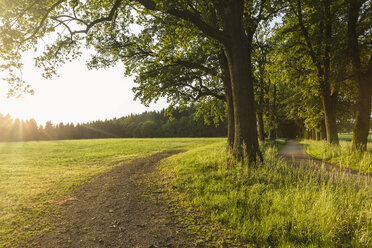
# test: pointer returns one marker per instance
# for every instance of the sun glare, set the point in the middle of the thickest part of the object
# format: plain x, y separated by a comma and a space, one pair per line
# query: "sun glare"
77, 95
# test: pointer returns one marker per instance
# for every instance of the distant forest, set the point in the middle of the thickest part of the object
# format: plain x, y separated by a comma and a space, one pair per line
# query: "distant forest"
146, 125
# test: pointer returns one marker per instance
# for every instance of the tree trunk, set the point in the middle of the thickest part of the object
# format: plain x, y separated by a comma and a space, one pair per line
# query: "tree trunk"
362, 119
329, 108
238, 53
261, 130
329, 98
364, 80
237, 43
229, 99
273, 119
323, 135
322, 66
272, 134
313, 134
261, 133
230, 118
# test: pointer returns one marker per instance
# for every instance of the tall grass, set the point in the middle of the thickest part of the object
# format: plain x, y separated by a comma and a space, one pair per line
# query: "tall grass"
272, 204
341, 154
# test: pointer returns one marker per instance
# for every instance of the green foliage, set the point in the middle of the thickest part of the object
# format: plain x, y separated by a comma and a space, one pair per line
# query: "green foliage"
165, 61
271, 89
304, 51
341, 154
273, 204
162, 55
35, 175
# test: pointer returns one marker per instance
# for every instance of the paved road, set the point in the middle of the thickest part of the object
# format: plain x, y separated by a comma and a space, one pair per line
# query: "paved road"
295, 153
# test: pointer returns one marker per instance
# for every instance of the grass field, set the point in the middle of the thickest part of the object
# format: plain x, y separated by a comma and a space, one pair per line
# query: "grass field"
269, 205
264, 205
33, 175
349, 136
341, 154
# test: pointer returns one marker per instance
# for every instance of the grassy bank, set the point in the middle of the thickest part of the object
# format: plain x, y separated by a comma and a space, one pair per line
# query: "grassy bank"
269, 205
34, 175
341, 154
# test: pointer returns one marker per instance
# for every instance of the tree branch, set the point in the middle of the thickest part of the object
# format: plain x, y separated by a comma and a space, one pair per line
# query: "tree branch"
185, 82
261, 10
190, 17
72, 33
73, 18
64, 24
304, 31
37, 29
104, 19
193, 65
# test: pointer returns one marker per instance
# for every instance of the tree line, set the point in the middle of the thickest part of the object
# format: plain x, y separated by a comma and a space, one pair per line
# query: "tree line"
266, 61
153, 124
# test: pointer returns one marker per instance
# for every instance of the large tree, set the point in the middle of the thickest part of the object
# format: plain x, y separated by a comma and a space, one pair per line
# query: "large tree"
238, 22
25, 22
311, 24
186, 74
359, 39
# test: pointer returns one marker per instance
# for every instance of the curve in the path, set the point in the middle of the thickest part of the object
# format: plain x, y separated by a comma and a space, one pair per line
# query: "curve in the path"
295, 153
112, 211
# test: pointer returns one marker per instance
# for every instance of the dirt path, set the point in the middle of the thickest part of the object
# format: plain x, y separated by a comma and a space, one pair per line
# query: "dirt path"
111, 211
295, 153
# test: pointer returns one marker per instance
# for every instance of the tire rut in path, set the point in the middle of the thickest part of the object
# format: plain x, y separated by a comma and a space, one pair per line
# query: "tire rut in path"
111, 211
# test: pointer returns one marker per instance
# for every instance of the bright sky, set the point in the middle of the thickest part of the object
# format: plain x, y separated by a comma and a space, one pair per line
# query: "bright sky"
78, 95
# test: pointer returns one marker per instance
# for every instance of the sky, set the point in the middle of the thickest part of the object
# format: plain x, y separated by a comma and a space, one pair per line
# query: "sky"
77, 95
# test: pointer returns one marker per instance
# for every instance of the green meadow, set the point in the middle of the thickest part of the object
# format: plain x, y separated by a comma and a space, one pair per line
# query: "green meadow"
213, 195
34, 175
349, 136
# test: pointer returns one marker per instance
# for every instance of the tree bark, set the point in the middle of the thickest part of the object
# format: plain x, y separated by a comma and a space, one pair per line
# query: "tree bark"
362, 119
329, 107
261, 132
329, 98
313, 134
229, 99
230, 117
364, 81
273, 116
238, 53
323, 135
